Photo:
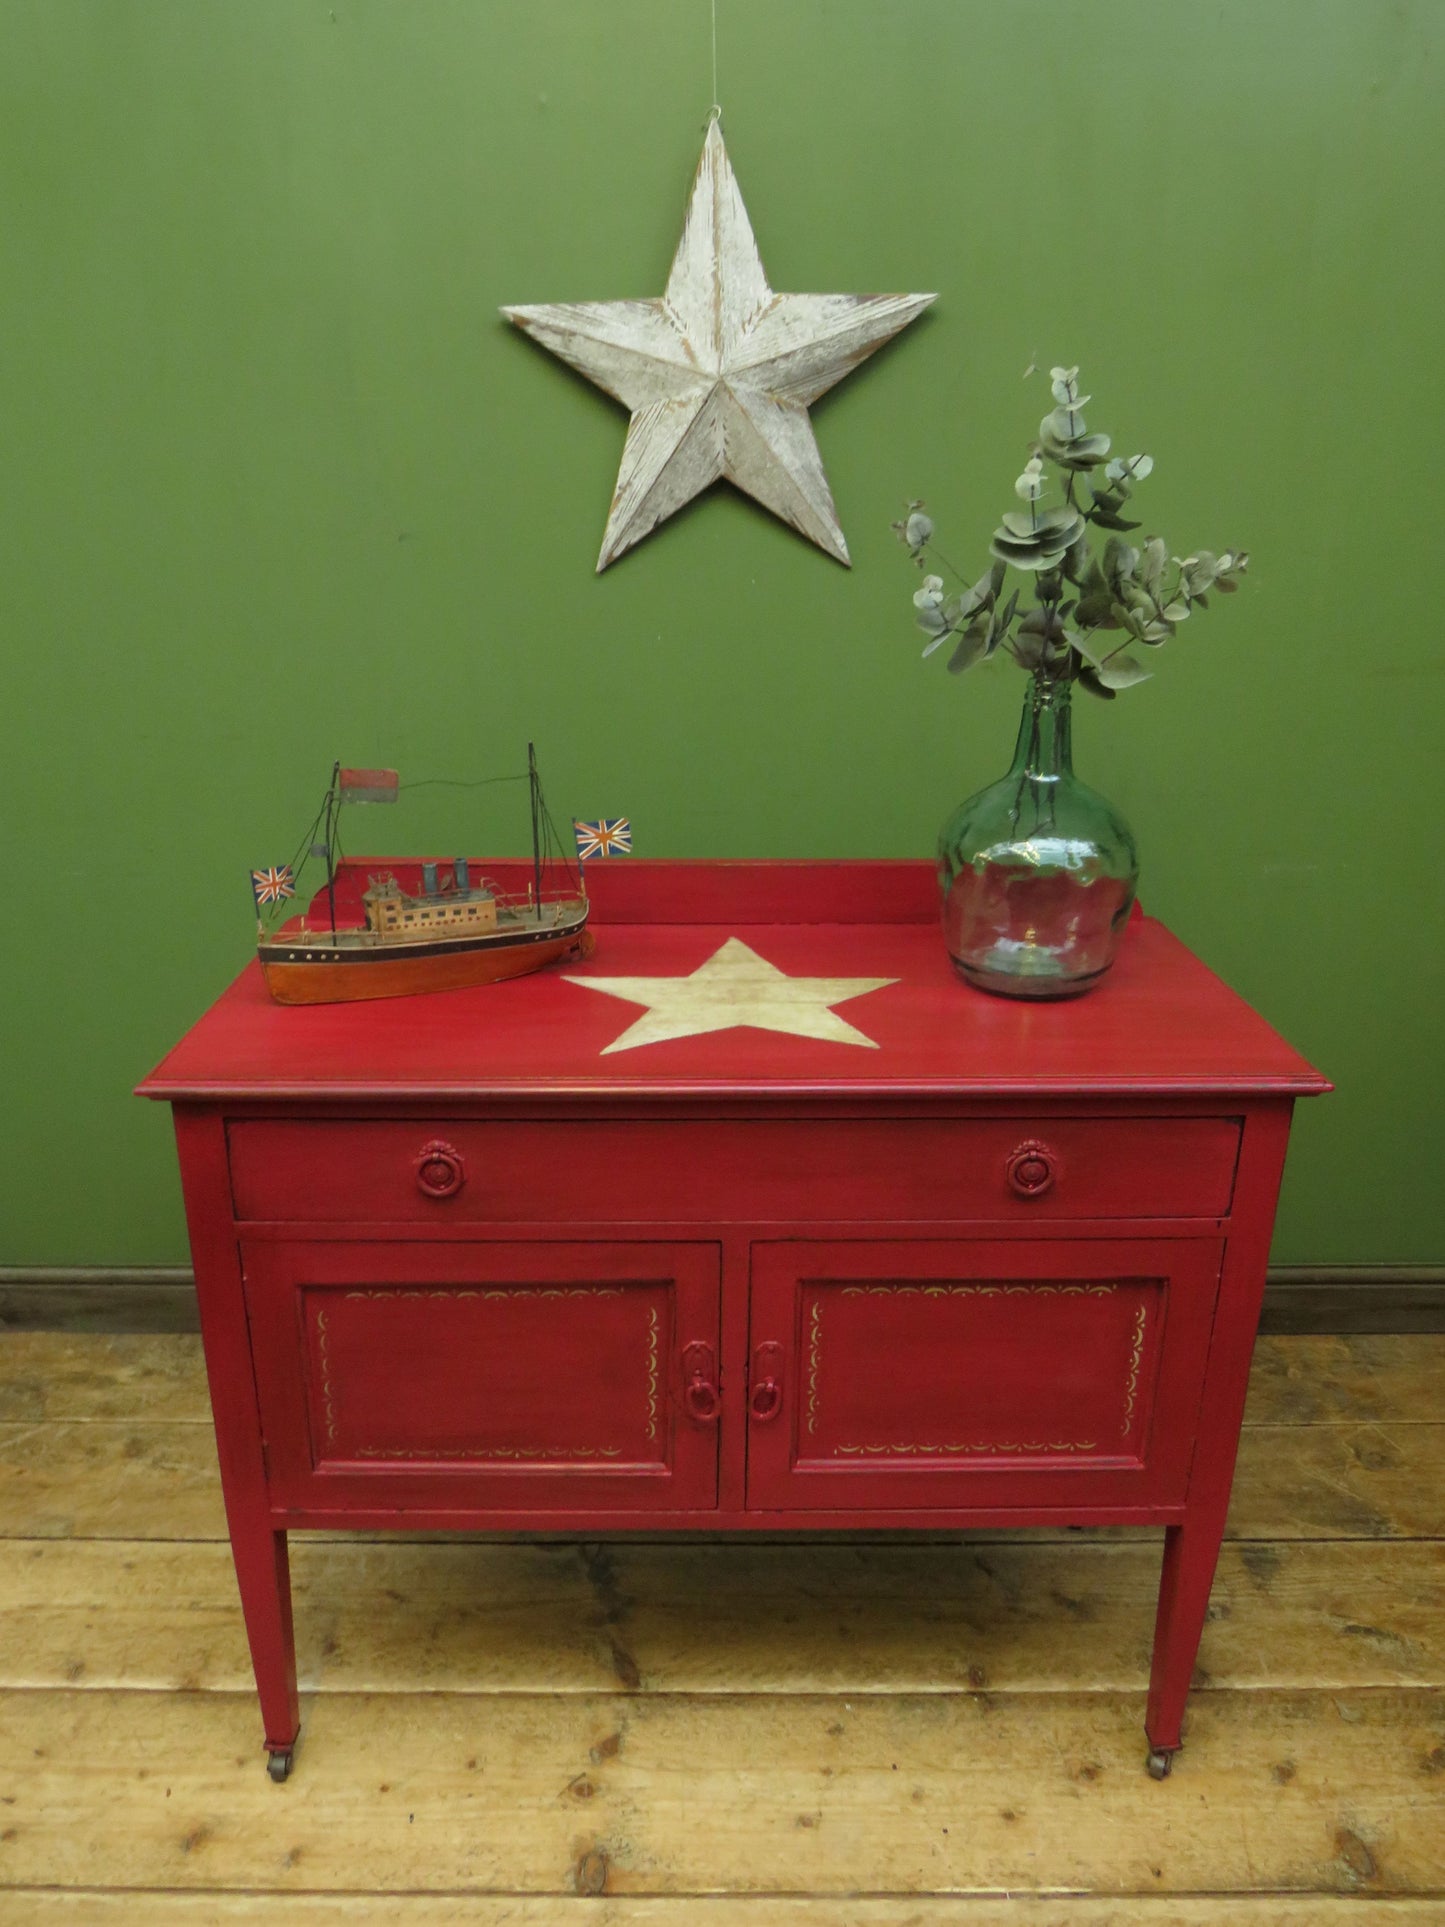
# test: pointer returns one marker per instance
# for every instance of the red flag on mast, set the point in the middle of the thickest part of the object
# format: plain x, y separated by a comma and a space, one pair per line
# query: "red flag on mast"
369, 785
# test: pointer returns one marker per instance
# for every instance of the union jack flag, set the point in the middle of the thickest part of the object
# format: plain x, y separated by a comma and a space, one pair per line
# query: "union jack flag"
271, 886
608, 836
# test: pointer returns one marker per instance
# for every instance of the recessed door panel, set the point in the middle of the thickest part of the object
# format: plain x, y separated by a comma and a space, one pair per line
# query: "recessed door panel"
976, 1374
536, 1376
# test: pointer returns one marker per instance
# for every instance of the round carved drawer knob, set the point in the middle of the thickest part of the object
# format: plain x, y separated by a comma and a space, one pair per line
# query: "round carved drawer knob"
1032, 1170
440, 1172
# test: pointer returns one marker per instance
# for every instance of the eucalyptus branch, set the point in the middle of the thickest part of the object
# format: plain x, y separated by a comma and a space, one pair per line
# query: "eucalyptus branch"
1121, 588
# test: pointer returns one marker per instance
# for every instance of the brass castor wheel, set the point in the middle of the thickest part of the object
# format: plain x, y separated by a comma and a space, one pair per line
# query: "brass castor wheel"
1160, 1759
278, 1762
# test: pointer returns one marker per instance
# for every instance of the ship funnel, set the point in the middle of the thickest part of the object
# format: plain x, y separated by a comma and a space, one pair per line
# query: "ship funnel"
429, 880
460, 870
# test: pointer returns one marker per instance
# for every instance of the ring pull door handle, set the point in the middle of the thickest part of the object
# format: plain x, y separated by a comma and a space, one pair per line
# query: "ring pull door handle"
765, 1396
1032, 1169
440, 1172
701, 1397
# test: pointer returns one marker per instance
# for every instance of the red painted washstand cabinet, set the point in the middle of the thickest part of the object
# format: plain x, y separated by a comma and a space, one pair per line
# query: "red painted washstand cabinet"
485, 1261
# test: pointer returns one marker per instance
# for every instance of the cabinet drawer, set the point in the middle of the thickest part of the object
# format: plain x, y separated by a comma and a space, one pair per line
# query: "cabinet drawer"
707, 1171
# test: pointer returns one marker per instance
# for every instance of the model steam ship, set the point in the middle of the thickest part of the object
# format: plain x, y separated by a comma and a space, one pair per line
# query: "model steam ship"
456, 931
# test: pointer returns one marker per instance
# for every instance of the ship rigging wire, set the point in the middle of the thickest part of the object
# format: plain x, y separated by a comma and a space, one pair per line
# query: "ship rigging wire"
554, 850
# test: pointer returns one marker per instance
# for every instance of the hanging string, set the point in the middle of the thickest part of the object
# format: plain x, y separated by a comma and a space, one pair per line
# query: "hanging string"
714, 112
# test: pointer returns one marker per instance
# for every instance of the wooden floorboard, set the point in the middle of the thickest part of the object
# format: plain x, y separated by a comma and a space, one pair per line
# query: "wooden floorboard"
674, 1793
1311, 1381
65, 1375
799, 1618
156, 1479
94, 1907
76, 1479
797, 1733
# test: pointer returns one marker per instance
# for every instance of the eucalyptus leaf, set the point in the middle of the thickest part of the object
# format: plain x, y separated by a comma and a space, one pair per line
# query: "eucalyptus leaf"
1135, 469
970, 602
928, 606
1122, 672
1089, 679
1043, 622
970, 648
1064, 519
1096, 610
1030, 485
1078, 639
1029, 650
1022, 555
982, 594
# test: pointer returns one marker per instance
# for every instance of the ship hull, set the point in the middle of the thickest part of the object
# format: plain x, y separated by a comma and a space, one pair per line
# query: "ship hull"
295, 976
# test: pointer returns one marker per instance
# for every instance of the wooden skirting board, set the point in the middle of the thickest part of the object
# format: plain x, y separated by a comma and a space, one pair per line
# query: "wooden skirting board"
161, 1298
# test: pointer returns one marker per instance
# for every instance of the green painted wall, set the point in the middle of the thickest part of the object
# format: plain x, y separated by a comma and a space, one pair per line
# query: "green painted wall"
276, 485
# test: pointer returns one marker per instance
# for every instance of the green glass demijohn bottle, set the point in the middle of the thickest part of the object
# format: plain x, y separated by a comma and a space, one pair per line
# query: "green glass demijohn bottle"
1038, 871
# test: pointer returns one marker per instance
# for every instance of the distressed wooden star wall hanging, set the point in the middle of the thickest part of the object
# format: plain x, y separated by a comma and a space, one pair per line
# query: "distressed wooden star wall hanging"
719, 373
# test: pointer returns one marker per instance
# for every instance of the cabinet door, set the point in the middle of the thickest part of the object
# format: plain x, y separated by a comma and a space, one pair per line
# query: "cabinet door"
977, 1375
531, 1377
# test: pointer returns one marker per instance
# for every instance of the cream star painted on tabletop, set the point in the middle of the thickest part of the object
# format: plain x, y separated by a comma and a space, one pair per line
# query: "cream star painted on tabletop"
736, 989
719, 373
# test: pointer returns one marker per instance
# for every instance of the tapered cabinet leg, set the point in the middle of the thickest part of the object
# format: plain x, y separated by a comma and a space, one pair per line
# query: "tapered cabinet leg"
263, 1573
257, 1547
1191, 1552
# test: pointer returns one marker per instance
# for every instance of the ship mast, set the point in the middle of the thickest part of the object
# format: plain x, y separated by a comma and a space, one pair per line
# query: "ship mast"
333, 810
535, 788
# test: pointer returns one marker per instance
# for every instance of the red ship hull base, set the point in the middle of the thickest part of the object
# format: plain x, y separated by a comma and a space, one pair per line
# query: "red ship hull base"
403, 976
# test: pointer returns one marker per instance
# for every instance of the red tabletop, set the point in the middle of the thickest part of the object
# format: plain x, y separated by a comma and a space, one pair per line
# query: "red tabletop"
1159, 1022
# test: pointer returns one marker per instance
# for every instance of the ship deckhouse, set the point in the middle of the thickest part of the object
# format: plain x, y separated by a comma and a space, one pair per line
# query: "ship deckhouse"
448, 905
